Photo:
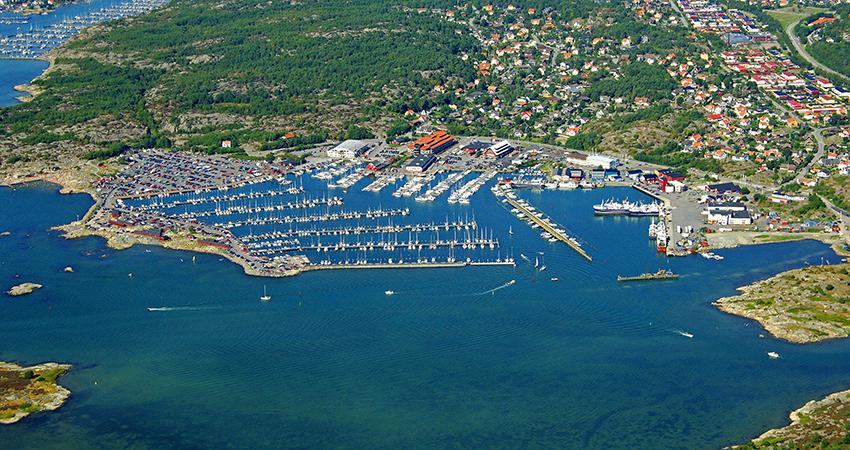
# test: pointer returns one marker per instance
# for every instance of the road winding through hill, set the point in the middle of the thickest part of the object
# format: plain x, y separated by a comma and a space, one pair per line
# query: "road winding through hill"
801, 50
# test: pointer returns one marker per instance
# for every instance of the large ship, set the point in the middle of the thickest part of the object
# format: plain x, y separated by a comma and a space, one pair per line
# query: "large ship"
625, 207
645, 209
661, 237
611, 207
660, 275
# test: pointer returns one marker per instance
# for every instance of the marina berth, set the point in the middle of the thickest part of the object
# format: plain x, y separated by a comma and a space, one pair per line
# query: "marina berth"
551, 231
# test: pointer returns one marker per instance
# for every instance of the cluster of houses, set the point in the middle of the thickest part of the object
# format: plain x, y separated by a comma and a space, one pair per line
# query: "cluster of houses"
723, 205
538, 64
811, 96
708, 16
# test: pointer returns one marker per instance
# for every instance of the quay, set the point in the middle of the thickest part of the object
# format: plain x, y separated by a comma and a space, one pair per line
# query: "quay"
346, 215
460, 225
548, 228
280, 247
410, 265
666, 214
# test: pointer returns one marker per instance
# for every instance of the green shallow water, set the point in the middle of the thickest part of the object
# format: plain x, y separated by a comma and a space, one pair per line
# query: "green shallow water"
332, 362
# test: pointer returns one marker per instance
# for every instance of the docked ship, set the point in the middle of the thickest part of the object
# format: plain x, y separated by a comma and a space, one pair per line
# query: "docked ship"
661, 237
660, 275
645, 209
613, 207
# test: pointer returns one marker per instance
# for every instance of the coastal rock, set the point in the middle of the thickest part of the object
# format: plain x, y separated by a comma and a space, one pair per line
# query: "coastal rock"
69, 269
26, 390
800, 306
23, 289
824, 421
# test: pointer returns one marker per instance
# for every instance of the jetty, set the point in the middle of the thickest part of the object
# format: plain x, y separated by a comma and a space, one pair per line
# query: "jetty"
327, 265
547, 227
379, 229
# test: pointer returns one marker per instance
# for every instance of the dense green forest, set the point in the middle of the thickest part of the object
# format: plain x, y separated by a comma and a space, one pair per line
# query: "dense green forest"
833, 46
197, 72
248, 58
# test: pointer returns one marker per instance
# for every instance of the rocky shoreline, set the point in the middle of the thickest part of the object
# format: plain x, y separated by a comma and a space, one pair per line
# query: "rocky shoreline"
800, 306
821, 422
26, 390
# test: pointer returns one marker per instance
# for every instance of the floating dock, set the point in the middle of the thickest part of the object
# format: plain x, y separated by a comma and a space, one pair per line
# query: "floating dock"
549, 229
406, 265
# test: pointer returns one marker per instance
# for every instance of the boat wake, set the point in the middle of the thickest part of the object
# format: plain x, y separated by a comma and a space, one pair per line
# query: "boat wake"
493, 291
684, 333
181, 308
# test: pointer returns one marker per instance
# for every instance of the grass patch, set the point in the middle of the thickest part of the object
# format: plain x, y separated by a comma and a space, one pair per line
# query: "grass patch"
786, 16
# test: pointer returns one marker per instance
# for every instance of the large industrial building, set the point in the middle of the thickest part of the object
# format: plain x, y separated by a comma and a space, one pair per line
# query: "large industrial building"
420, 163
499, 150
433, 143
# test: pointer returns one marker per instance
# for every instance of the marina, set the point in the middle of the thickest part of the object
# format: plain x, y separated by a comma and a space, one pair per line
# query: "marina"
335, 331
440, 188
551, 232
37, 40
279, 222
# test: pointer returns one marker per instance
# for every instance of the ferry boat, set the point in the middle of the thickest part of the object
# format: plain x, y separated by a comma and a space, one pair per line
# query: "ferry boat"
660, 275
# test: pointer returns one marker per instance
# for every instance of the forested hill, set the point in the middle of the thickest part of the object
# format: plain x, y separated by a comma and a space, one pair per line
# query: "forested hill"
213, 64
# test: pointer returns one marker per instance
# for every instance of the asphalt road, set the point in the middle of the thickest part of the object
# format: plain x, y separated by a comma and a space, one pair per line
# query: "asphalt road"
789, 30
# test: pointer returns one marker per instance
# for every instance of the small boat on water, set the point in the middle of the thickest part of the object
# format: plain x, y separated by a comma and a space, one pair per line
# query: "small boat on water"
660, 275
686, 334
389, 292
773, 355
265, 297
554, 279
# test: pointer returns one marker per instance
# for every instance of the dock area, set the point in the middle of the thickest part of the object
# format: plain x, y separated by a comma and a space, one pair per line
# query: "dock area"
408, 265
548, 228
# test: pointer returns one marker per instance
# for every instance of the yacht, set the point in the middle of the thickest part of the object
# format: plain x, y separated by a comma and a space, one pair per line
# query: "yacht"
265, 297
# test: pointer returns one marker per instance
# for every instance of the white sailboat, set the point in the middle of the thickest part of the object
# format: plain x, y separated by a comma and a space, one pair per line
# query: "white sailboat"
510, 230
265, 297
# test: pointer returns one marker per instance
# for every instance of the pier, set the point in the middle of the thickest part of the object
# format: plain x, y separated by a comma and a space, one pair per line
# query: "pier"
345, 215
458, 225
557, 234
409, 265
280, 246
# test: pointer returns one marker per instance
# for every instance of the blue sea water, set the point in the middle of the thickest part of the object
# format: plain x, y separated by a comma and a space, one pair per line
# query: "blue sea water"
332, 362
14, 72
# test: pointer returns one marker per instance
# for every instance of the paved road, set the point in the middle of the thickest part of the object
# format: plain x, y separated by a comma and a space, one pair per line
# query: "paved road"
789, 30
818, 134
843, 216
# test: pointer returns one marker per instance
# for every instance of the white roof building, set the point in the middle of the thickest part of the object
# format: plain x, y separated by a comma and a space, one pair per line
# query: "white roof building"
349, 149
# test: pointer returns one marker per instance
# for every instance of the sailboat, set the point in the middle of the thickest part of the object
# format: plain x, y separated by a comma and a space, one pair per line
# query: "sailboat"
536, 262
510, 230
265, 297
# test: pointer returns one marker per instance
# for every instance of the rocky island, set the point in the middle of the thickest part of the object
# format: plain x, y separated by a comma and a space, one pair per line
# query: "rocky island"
803, 305
25, 390
23, 289
819, 423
